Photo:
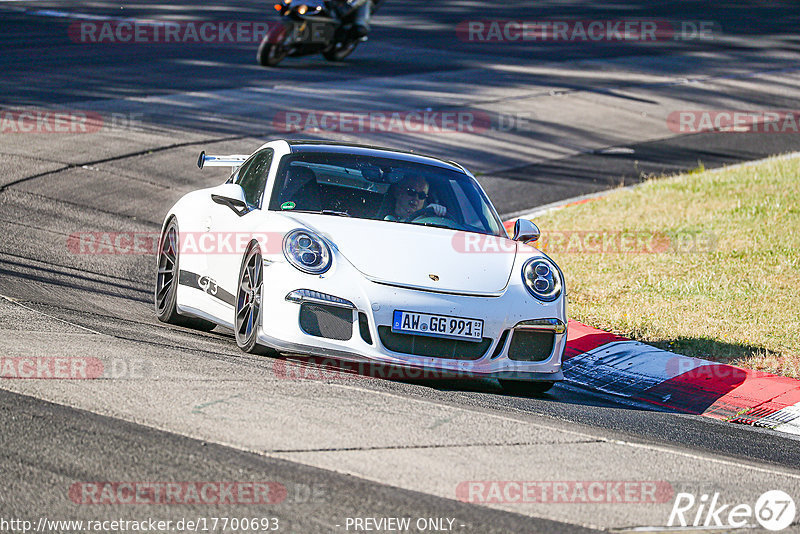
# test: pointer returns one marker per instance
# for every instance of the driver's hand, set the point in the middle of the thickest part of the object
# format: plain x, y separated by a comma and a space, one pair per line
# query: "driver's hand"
438, 210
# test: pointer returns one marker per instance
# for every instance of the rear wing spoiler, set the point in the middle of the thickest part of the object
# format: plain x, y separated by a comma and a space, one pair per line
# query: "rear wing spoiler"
220, 161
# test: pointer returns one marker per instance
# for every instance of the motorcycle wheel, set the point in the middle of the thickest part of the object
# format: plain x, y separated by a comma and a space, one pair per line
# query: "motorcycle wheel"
339, 50
269, 53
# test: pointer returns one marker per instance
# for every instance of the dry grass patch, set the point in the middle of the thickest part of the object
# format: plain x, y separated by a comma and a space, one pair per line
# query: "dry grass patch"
723, 282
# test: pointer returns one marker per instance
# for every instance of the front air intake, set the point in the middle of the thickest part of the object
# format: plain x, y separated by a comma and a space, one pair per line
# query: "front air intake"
531, 345
331, 322
433, 347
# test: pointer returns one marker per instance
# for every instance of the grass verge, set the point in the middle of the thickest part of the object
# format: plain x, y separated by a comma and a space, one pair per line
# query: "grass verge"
705, 264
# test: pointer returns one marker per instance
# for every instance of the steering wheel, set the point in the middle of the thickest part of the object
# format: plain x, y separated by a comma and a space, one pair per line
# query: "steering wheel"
433, 220
426, 212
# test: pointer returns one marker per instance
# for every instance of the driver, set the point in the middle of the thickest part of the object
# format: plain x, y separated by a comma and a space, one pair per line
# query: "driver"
363, 12
408, 200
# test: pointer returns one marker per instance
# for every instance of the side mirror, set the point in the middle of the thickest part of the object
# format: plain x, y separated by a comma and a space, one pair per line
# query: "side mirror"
525, 231
231, 195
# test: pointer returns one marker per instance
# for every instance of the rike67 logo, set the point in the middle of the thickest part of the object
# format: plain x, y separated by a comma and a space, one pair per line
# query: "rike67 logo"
774, 510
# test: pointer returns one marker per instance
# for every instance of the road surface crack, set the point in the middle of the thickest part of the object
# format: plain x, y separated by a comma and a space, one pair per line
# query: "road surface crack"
434, 446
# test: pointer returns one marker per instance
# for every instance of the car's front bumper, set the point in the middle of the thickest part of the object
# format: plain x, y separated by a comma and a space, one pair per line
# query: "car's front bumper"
282, 331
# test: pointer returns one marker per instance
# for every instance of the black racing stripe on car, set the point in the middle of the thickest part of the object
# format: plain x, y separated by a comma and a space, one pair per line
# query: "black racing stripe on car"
188, 278
193, 280
225, 297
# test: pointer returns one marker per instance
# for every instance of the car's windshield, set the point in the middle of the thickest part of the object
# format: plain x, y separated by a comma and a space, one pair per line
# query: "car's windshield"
378, 188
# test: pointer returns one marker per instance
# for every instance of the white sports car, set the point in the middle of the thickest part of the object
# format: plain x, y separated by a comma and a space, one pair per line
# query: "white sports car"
363, 254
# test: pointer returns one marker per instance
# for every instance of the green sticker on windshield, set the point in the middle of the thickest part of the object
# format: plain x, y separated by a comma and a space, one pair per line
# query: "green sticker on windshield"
288, 205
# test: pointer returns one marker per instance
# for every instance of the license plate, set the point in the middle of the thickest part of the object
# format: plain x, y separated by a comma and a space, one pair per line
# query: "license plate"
427, 324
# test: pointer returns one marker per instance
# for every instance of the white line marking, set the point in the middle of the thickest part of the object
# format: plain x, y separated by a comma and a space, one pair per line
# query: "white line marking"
9, 299
738, 463
784, 420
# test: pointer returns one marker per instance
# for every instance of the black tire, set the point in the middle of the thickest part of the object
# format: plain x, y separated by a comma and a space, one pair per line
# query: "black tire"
166, 287
339, 50
270, 53
248, 302
526, 388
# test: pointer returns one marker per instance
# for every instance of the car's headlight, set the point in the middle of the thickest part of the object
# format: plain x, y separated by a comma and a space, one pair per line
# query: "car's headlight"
307, 251
542, 279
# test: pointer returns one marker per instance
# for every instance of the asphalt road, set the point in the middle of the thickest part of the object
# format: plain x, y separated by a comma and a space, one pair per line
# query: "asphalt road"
181, 406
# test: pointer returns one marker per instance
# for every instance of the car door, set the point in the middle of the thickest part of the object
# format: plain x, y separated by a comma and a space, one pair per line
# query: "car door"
228, 228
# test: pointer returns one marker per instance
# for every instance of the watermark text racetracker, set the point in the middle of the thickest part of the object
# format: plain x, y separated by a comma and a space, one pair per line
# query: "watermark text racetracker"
585, 31
147, 243
556, 241
735, 121
600, 241
207, 493
74, 368
65, 121
693, 369
201, 492
565, 491
325, 369
66, 368
427, 121
130, 31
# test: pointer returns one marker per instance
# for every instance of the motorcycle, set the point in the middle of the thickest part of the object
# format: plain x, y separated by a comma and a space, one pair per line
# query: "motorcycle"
311, 27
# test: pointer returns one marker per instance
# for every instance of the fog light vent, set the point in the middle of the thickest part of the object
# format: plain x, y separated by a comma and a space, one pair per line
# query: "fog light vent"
531, 345
332, 322
363, 328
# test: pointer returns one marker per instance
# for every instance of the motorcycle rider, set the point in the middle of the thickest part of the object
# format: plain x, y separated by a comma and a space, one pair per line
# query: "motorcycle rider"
363, 13
346, 24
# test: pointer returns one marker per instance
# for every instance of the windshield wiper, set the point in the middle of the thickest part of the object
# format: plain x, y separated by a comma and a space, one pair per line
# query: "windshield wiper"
334, 212
324, 212
435, 225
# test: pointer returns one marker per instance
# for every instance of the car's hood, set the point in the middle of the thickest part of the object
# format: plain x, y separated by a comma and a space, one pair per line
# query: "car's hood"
416, 256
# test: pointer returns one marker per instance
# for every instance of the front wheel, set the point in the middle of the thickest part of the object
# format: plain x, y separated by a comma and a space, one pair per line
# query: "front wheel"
525, 389
248, 301
167, 278
339, 50
271, 53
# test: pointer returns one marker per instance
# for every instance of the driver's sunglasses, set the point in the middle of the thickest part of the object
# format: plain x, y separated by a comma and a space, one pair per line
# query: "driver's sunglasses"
422, 195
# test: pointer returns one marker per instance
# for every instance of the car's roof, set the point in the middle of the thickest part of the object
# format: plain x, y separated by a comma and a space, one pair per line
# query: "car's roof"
367, 150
